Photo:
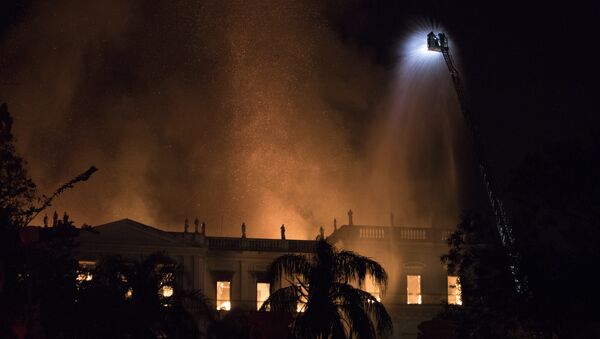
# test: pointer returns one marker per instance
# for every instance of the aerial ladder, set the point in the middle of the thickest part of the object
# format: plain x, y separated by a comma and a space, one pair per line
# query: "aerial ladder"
439, 43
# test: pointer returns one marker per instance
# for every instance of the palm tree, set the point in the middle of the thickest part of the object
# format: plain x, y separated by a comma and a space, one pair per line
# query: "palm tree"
321, 285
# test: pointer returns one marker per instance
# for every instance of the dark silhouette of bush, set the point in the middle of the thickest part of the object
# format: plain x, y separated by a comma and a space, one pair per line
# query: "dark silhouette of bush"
554, 202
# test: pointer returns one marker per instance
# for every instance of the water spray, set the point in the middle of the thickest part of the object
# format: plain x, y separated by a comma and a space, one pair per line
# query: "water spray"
439, 43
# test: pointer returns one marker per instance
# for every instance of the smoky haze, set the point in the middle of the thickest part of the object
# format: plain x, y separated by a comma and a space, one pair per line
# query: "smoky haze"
229, 111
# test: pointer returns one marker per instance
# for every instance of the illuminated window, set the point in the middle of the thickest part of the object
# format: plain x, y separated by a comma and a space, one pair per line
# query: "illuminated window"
372, 287
84, 273
301, 305
263, 290
223, 295
129, 293
454, 291
413, 289
166, 289
301, 288
167, 278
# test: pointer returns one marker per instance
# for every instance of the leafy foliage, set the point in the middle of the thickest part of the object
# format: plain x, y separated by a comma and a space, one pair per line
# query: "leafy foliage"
554, 200
17, 190
234, 325
322, 285
124, 300
491, 308
39, 292
37, 269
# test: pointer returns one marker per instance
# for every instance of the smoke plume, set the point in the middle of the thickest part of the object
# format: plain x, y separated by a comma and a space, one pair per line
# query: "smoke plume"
230, 111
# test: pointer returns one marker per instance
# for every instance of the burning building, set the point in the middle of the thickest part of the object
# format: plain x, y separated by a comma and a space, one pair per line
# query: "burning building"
232, 271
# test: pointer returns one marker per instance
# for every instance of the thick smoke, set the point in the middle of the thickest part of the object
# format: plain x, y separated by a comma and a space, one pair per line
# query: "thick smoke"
229, 111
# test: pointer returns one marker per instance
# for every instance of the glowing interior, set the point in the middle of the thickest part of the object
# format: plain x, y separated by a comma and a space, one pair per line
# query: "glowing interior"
166, 291
413, 289
223, 295
263, 290
372, 288
454, 291
84, 274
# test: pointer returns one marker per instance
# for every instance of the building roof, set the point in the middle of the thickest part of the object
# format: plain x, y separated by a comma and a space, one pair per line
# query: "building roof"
131, 232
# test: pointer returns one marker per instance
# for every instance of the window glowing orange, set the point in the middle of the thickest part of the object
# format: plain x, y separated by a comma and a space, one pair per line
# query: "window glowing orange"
454, 291
223, 295
413, 289
263, 291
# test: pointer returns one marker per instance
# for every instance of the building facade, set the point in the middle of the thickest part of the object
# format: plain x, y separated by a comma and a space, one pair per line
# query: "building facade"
231, 271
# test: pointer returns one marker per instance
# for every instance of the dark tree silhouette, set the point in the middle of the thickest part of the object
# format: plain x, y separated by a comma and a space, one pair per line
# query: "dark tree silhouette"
127, 299
17, 190
322, 285
554, 198
37, 270
491, 308
39, 293
234, 325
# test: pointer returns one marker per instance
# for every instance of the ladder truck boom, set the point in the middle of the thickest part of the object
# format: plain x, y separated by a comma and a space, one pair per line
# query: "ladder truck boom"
439, 43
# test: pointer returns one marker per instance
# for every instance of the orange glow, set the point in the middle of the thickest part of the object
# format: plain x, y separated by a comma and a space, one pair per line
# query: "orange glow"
454, 291
272, 134
166, 291
263, 290
372, 288
413, 289
84, 274
223, 295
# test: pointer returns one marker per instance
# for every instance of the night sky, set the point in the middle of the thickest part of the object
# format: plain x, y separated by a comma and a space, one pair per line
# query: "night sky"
266, 112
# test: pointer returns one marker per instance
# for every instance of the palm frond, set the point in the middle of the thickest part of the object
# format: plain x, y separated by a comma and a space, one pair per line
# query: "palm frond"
351, 266
361, 325
283, 300
349, 298
334, 309
303, 327
338, 328
288, 265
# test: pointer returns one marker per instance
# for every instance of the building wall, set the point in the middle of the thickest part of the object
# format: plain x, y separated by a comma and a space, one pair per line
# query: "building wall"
244, 262
403, 251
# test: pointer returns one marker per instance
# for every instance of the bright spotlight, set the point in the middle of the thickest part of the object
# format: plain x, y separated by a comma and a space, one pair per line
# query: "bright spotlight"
415, 53
437, 43
415, 46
